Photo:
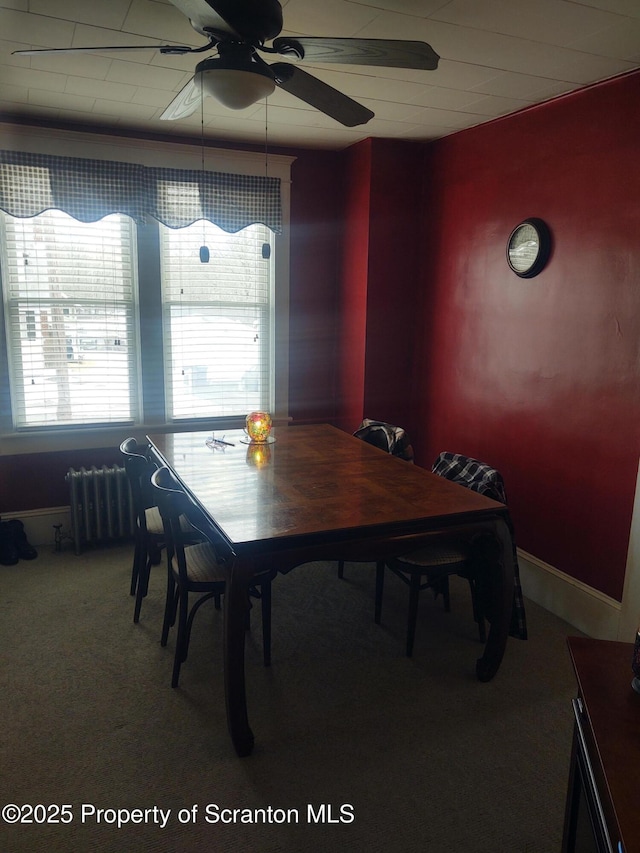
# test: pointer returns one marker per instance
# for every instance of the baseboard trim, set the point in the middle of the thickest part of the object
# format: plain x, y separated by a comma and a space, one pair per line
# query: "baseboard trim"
590, 611
39, 523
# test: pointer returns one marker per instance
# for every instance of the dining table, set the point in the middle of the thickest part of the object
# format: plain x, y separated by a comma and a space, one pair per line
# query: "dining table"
313, 492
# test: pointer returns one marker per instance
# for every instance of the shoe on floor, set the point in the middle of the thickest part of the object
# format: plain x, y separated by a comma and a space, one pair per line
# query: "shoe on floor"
8, 550
25, 550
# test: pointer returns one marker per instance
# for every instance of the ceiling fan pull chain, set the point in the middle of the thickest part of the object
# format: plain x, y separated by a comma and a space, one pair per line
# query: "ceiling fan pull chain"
266, 247
204, 249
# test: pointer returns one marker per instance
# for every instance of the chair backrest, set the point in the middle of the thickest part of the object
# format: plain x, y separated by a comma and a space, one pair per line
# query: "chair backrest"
176, 507
474, 475
390, 438
139, 469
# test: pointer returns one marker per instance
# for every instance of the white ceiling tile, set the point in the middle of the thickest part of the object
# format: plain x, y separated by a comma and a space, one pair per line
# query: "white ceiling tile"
424, 133
100, 89
76, 64
508, 84
61, 100
110, 15
577, 67
32, 78
35, 30
23, 5
441, 118
417, 8
106, 107
440, 98
492, 106
549, 21
620, 7
13, 92
333, 18
621, 41
145, 75
152, 97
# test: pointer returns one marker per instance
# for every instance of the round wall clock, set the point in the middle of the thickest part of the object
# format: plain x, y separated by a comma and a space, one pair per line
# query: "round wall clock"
528, 247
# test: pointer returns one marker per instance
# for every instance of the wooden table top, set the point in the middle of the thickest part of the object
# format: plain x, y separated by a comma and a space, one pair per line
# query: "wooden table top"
312, 479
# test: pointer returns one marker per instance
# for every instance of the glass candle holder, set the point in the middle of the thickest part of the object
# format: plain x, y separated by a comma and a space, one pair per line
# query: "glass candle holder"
258, 426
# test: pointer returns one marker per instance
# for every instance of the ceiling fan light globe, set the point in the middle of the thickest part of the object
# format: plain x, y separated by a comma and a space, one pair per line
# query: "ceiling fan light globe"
234, 88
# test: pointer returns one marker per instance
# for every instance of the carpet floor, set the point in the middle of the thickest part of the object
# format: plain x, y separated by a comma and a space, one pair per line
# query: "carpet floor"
357, 747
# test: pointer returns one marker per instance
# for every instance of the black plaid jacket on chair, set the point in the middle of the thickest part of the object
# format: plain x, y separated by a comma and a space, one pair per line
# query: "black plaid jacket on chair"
485, 480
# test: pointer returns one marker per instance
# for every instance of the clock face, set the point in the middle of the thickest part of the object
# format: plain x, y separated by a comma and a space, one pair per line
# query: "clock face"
528, 248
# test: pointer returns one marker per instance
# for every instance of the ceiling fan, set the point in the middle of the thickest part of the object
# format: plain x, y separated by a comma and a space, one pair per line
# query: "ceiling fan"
239, 77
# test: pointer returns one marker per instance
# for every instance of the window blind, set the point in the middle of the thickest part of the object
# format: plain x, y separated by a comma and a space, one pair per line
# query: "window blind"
69, 309
217, 321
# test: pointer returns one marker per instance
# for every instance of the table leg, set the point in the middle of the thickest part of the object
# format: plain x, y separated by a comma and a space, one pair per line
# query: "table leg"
235, 610
503, 583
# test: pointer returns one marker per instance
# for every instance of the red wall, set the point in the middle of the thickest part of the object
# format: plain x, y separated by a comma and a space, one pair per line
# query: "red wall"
316, 227
378, 282
541, 377
35, 480
351, 315
394, 293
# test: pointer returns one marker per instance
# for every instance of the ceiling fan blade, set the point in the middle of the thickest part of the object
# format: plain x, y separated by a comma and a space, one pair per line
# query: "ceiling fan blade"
163, 48
185, 102
317, 94
201, 15
253, 20
392, 53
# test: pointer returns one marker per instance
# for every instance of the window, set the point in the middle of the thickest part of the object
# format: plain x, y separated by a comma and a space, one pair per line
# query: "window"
110, 319
216, 319
69, 311
72, 337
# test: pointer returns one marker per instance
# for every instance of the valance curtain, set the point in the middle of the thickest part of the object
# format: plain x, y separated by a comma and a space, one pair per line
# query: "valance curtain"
88, 190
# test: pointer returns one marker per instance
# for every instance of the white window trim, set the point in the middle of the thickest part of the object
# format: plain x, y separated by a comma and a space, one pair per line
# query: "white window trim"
162, 154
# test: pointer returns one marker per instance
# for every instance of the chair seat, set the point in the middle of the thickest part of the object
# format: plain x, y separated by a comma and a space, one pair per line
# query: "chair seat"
202, 565
430, 566
155, 526
154, 521
446, 554
199, 566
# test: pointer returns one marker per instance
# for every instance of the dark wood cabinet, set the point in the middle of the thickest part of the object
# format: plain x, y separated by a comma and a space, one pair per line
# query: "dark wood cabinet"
602, 812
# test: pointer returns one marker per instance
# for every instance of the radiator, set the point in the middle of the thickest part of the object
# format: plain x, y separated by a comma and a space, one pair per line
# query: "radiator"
101, 505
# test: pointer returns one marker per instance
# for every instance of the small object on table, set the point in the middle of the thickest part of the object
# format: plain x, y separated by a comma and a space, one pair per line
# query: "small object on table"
258, 426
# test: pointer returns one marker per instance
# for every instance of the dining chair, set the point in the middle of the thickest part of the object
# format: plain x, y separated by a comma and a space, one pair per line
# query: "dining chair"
201, 568
149, 533
449, 553
392, 439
